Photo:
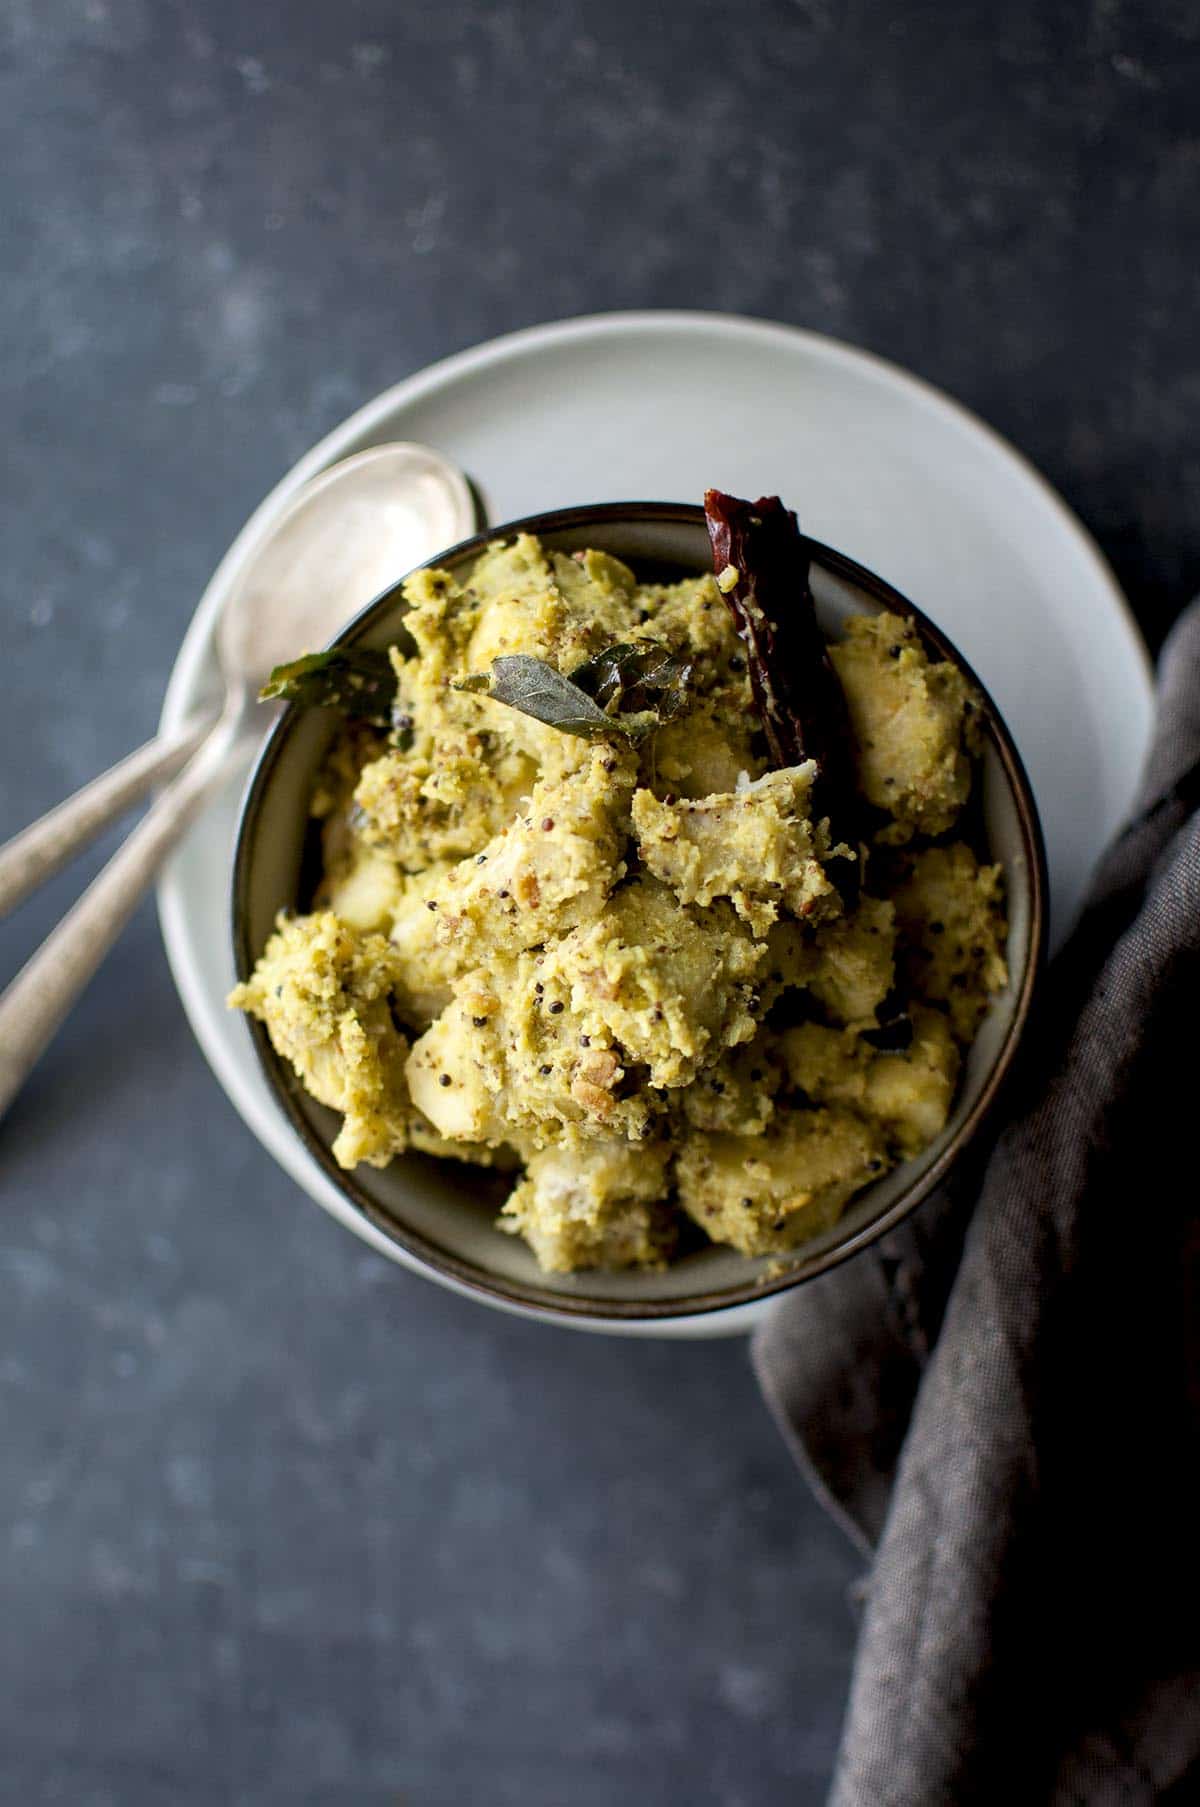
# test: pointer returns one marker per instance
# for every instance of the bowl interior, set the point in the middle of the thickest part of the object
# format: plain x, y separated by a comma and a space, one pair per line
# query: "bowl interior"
443, 1213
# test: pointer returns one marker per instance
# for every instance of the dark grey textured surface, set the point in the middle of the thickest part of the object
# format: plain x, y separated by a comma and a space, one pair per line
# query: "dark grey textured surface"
279, 1523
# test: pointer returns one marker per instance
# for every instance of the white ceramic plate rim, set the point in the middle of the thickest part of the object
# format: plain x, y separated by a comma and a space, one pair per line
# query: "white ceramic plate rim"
186, 688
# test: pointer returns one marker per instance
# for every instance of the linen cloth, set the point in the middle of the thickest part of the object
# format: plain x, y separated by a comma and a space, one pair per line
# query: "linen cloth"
1001, 1399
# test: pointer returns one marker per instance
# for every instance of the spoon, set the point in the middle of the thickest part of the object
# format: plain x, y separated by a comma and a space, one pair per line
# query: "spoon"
394, 504
342, 538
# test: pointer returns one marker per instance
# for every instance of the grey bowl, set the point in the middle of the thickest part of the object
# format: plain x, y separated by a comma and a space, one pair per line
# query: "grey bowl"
441, 1214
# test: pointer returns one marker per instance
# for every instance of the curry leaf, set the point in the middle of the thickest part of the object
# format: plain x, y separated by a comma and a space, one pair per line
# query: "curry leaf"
636, 676
536, 689
627, 689
356, 682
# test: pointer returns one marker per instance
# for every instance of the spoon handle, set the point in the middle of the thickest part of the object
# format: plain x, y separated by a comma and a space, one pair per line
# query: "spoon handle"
49, 983
39, 850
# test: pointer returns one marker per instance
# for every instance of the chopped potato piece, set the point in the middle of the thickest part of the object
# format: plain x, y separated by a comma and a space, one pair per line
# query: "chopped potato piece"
600, 594
845, 964
950, 914
912, 724
690, 616
365, 890
852, 967
456, 1079
429, 964
326, 996
549, 871
908, 1090
599, 1206
764, 1194
757, 846
702, 754
672, 988
420, 808
510, 1054
737, 1095
563, 609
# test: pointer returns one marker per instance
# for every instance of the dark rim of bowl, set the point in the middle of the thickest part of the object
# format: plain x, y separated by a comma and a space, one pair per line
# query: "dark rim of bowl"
466, 1274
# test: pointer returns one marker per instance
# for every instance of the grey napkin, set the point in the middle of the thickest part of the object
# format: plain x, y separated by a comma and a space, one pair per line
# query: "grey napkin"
1002, 1399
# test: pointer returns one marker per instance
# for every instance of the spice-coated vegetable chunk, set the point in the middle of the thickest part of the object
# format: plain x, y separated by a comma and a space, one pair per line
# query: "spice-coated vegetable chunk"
633, 893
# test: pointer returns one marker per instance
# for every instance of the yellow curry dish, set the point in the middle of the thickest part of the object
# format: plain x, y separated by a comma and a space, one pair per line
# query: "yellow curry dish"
642, 893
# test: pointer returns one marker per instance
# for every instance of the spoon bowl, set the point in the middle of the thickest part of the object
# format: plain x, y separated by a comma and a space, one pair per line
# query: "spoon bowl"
343, 536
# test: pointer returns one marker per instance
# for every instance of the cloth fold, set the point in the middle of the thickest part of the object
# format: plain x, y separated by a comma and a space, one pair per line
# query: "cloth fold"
1002, 1398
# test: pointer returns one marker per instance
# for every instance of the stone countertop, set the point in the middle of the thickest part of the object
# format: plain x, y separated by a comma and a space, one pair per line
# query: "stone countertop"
279, 1523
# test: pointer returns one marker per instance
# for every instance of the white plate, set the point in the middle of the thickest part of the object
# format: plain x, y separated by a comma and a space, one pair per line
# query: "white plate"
659, 406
